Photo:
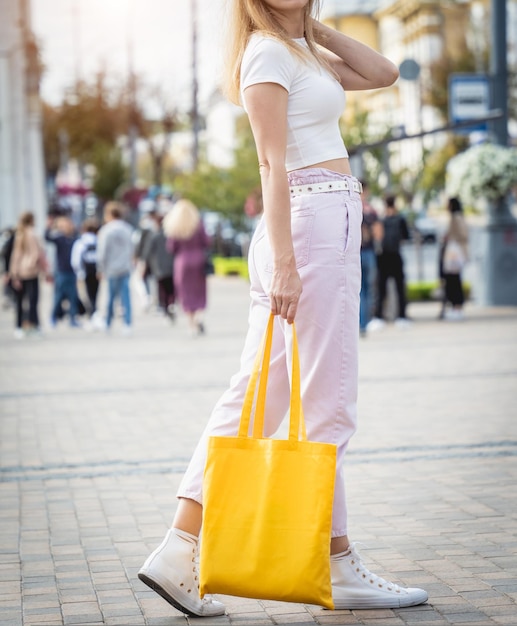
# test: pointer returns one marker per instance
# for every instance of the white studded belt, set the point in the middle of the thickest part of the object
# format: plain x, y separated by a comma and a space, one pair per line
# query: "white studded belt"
331, 185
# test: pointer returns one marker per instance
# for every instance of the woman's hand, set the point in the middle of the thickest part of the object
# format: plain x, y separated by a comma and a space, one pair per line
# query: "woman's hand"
357, 65
285, 292
17, 284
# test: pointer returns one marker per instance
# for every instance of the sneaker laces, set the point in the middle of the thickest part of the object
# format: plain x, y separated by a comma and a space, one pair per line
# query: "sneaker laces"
366, 574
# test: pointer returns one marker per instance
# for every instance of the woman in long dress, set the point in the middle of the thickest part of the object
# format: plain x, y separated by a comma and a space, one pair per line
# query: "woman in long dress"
188, 242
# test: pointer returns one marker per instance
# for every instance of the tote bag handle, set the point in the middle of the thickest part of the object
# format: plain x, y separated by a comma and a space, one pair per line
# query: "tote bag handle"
297, 429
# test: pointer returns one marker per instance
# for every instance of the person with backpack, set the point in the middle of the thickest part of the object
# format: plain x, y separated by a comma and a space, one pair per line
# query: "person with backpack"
84, 263
9, 293
391, 265
60, 231
160, 263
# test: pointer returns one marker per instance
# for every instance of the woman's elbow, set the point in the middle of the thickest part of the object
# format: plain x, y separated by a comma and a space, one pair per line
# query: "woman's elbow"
389, 75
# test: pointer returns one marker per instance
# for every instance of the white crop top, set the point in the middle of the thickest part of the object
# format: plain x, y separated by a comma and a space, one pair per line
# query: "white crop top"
315, 103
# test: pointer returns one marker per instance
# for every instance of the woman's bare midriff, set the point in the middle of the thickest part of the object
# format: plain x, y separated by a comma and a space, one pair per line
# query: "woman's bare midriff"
342, 166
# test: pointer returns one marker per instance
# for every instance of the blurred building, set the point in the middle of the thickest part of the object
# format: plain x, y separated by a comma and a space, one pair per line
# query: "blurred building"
22, 184
404, 31
422, 34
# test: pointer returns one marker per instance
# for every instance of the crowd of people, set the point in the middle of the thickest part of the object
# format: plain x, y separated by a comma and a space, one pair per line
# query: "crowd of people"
169, 250
381, 260
165, 257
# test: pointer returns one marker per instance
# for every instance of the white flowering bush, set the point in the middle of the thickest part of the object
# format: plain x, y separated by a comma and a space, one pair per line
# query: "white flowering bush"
484, 172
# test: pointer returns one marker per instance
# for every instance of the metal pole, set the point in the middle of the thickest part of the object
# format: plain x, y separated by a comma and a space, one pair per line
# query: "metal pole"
195, 112
77, 41
498, 239
499, 70
32, 193
132, 129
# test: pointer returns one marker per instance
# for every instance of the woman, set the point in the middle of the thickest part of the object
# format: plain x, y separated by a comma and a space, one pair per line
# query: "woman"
28, 261
453, 256
160, 262
188, 243
304, 262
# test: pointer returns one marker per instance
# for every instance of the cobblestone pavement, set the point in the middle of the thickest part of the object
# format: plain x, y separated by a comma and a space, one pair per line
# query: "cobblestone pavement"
96, 431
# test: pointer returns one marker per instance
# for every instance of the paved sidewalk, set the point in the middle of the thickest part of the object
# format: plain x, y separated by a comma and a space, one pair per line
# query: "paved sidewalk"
96, 430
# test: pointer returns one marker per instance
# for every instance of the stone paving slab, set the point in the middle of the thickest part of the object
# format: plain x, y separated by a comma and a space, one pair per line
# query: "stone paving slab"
96, 431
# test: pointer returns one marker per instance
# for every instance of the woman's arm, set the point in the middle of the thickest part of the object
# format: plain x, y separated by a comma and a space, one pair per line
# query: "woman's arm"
266, 104
14, 265
357, 65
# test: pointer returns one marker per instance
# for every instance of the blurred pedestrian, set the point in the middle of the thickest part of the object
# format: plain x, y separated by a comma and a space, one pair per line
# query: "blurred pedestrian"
115, 253
60, 231
391, 265
188, 243
159, 261
146, 228
454, 255
84, 263
9, 295
371, 236
28, 261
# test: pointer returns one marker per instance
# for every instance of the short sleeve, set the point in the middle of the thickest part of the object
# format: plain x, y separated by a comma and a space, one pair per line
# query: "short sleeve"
267, 60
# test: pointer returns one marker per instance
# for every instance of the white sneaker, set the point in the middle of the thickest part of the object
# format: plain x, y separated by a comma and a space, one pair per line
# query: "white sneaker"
126, 330
402, 322
355, 587
455, 315
375, 323
172, 571
19, 333
35, 333
97, 321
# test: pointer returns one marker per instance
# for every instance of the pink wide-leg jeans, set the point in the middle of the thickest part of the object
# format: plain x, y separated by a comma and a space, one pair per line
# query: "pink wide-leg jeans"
326, 229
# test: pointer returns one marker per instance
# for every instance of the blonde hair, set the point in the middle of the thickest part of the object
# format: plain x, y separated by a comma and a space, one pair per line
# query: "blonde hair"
182, 221
254, 16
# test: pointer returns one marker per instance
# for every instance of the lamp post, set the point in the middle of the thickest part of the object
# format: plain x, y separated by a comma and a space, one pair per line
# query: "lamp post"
34, 192
498, 284
132, 126
194, 111
499, 70
76, 16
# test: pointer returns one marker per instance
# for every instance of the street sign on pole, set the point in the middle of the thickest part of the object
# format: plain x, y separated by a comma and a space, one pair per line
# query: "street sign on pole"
469, 98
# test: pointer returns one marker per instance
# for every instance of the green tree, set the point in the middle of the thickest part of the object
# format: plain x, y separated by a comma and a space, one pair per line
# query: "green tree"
52, 148
361, 139
94, 116
110, 171
433, 176
224, 189
91, 115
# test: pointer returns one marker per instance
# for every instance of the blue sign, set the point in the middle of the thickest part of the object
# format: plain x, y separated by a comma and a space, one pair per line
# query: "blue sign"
469, 99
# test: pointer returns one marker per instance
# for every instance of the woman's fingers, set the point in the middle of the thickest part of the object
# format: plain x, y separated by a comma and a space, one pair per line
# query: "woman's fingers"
285, 295
285, 308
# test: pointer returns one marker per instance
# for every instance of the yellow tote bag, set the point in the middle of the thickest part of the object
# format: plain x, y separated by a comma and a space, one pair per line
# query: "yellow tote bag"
267, 504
